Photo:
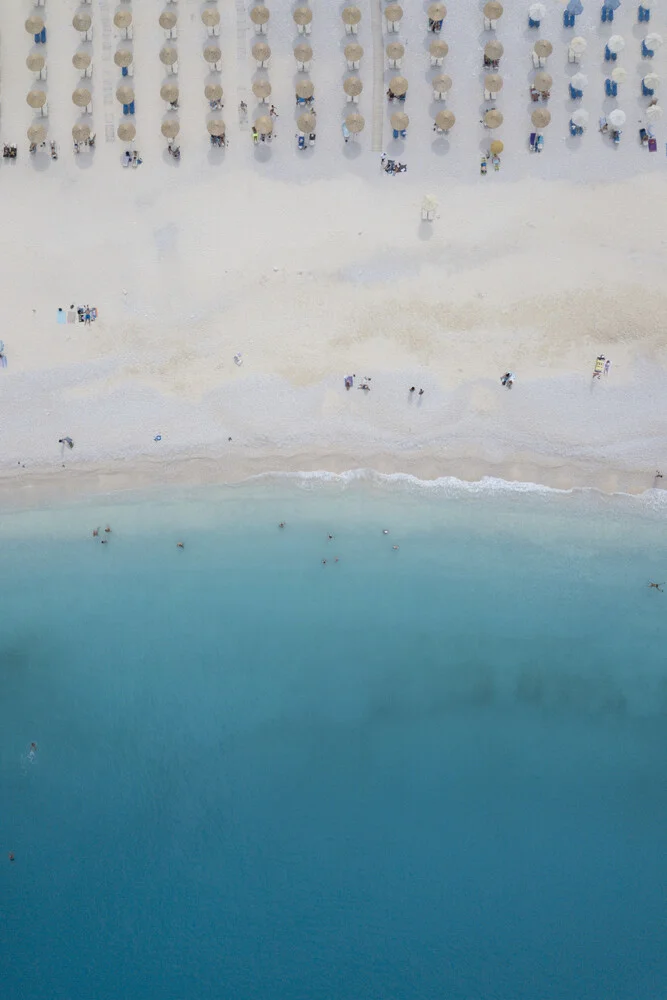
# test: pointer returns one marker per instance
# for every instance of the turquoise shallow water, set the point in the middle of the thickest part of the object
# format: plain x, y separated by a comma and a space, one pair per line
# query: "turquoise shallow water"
424, 773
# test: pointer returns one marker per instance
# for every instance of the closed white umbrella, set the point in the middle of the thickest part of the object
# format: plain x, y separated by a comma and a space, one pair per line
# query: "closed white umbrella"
619, 75
652, 80
616, 118
578, 45
616, 44
579, 81
537, 11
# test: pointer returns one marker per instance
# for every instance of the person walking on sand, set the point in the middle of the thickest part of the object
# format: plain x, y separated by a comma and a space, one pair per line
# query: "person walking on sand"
607, 366
66, 440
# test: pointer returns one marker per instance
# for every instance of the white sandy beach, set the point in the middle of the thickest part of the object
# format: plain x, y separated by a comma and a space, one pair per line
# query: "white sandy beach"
314, 265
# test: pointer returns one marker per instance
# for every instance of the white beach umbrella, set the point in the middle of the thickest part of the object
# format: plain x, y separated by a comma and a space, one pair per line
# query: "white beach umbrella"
168, 93
395, 50
305, 89
351, 15
493, 50
437, 12
580, 117
303, 53
168, 55
212, 54
653, 40
493, 118
579, 81
430, 203
616, 118
652, 80
393, 13
619, 75
537, 11
261, 52
578, 45
616, 44
354, 52
125, 95
439, 49
653, 113
398, 85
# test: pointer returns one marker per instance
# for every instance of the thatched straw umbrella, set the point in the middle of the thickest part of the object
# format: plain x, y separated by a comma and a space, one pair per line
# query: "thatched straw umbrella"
352, 86
169, 92
81, 60
213, 92
210, 17
305, 89
493, 119
493, 10
264, 125
442, 84
302, 15
35, 62
543, 48
496, 147
261, 52
398, 85
123, 18
34, 24
37, 133
36, 98
354, 52
493, 50
399, 121
125, 94
303, 52
445, 120
168, 55
212, 54
82, 22
81, 97
126, 131
80, 133
260, 14
306, 122
542, 82
216, 127
395, 51
437, 12
355, 123
540, 118
393, 13
170, 129
351, 15
438, 49
168, 19
123, 57
261, 89
493, 83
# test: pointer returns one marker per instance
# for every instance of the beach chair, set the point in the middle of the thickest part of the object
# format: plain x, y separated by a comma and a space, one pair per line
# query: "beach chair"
610, 88
132, 108
568, 19
399, 133
616, 135
643, 14
539, 144
653, 145
126, 109
602, 124
643, 136
647, 91
301, 141
532, 141
311, 138
532, 23
575, 94
646, 52
609, 55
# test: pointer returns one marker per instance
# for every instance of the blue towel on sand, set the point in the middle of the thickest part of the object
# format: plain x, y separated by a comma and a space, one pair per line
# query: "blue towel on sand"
62, 317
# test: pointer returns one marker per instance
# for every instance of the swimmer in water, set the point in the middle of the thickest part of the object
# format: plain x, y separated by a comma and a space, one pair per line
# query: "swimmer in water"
282, 524
657, 586
395, 548
96, 532
324, 562
33, 748
385, 531
11, 856
108, 530
180, 545
330, 537
103, 541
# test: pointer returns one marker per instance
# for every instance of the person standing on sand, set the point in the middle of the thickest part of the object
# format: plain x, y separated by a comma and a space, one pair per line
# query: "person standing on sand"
607, 366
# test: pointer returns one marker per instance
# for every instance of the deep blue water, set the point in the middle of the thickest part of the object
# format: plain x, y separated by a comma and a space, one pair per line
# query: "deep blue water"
437, 772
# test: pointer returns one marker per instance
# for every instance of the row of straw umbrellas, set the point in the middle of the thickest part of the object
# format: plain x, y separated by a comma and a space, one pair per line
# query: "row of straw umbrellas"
36, 62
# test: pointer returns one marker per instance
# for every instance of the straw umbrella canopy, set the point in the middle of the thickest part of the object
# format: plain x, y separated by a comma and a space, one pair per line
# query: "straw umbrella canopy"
306, 122
493, 50
353, 52
445, 120
216, 127
212, 54
493, 82
620, 75
580, 117
395, 50
81, 60
210, 17
578, 45
168, 19
616, 44
616, 118
542, 82
261, 89
264, 125
168, 55
123, 18
82, 22
355, 123
34, 24
81, 97
125, 94
540, 118
303, 52
398, 85
213, 92
170, 129
496, 147
302, 15
126, 131
399, 120
437, 12
493, 119
493, 10
351, 15
36, 98
260, 51
393, 12
543, 48
305, 89
169, 92
352, 86
37, 133
80, 133
260, 14
123, 57
442, 83
438, 49
35, 62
